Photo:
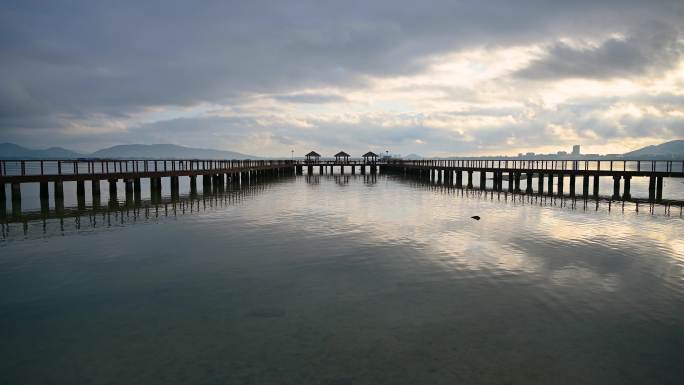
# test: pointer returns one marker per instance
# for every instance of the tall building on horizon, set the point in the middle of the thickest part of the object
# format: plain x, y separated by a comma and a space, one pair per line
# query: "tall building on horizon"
576, 149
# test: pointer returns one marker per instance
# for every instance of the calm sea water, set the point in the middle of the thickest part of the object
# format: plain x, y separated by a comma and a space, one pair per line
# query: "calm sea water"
344, 280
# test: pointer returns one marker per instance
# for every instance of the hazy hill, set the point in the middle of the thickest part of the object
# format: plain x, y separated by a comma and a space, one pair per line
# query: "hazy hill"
13, 151
166, 151
412, 157
672, 149
140, 151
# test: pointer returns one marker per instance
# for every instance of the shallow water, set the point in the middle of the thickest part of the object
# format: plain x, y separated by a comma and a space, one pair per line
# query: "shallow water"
345, 280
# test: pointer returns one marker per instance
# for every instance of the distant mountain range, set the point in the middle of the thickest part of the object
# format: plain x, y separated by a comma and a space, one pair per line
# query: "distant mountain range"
673, 149
412, 157
140, 151
12, 151
668, 150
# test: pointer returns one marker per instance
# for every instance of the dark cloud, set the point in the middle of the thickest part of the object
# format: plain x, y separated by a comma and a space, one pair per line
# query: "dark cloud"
654, 47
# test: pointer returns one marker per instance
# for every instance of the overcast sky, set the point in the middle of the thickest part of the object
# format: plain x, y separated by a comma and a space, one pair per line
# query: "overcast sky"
264, 77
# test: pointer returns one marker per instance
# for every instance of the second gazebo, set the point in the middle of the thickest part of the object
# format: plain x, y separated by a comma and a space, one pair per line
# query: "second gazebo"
342, 157
370, 157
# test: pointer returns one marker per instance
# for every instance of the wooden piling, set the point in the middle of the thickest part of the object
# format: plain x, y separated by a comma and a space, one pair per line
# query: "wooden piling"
572, 185
16, 192
616, 187
596, 186
627, 195
44, 191
540, 184
112, 189
529, 183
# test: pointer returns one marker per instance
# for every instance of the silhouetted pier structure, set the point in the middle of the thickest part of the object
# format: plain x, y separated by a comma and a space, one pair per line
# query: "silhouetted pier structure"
217, 174
548, 173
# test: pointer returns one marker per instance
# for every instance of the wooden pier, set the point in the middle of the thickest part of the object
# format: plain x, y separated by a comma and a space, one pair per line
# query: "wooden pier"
548, 173
221, 173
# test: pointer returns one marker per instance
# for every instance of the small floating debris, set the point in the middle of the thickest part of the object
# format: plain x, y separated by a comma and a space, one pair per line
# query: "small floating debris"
475, 217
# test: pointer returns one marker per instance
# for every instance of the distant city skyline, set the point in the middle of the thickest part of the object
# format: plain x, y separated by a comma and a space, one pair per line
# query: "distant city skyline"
436, 78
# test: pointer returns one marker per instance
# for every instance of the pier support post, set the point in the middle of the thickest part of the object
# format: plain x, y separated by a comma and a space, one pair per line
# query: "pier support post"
320, 170
16, 192
483, 180
206, 183
659, 189
44, 198
585, 186
3, 201
128, 188
470, 179
540, 184
193, 183
572, 185
175, 187
95, 187
561, 182
153, 189
353, 169
80, 194
616, 186
627, 195
517, 176
596, 186
550, 184
511, 181
459, 178
529, 183
16, 200
112, 189
651, 188
137, 189
59, 193
44, 191
363, 169
158, 184
439, 175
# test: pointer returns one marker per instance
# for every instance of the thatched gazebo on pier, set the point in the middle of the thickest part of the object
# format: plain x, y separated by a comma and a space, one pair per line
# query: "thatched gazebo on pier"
342, 157
370, 157
312, 157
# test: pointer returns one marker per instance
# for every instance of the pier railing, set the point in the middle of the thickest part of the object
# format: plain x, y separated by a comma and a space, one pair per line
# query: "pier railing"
665, 166
113, 166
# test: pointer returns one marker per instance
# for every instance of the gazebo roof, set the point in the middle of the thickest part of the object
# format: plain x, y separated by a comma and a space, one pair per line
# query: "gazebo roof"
314, 154
370, 154
343, 154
